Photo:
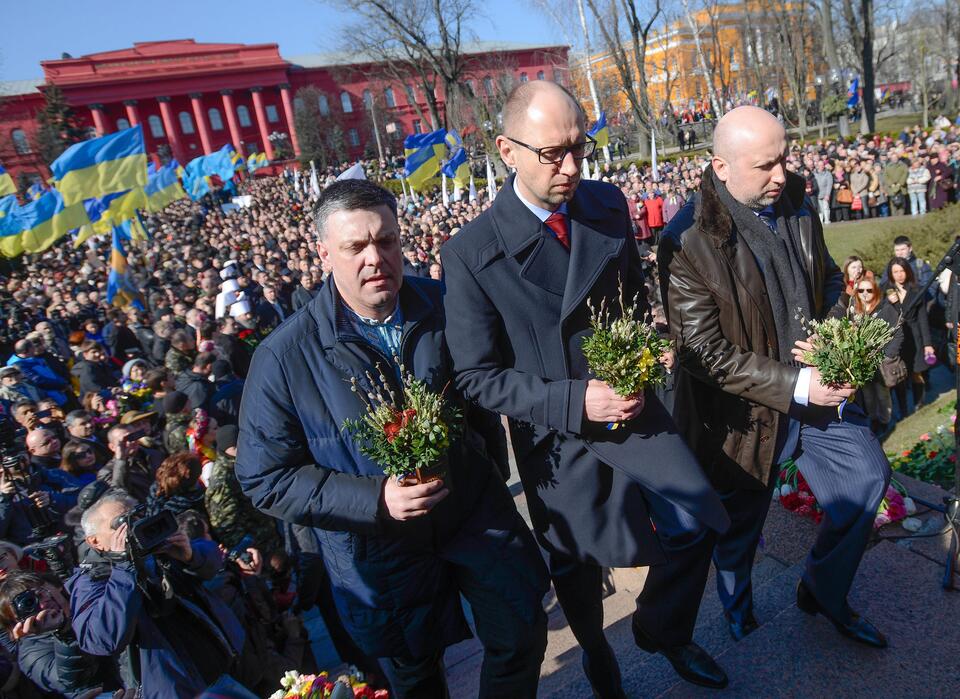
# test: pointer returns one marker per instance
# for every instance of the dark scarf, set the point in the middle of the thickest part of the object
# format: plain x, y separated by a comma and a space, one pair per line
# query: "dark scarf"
780, 259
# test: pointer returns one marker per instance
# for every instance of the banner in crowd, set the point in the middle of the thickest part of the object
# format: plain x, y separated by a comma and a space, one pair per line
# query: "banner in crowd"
121, 289
6, 183
600, 131
100, 166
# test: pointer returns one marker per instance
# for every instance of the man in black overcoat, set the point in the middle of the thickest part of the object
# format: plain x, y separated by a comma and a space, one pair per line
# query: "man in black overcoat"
518, 281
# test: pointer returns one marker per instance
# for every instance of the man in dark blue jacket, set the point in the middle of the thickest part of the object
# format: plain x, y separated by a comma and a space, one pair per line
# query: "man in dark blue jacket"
168, 647
399, 556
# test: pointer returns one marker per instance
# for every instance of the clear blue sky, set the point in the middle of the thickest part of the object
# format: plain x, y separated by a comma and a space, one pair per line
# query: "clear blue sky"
43, 29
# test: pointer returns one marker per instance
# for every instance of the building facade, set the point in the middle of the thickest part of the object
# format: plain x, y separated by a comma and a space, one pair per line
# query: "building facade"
193, 98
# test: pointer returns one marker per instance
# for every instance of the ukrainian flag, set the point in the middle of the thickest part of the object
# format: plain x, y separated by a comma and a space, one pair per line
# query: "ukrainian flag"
163, 188
121, 290
436, 139
6, 183
10, 242
257, 161
453, 140
421, 166
43, 222
457, 168
90, 169
600, 131
35, 191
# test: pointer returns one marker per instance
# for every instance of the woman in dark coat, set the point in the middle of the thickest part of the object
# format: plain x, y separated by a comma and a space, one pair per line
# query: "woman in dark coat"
867, 300
941, 182
178, 486
917, 349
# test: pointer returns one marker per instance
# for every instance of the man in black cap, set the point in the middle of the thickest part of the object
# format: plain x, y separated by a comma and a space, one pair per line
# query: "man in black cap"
195, 382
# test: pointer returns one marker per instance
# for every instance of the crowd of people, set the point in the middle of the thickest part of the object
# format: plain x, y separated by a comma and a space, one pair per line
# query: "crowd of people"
120, 416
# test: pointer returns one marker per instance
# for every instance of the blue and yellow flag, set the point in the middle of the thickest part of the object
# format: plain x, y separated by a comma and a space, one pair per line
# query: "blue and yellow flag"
453, 140
162, 188
121, 289
10, 243
35, 191
36, 226
100, 166
600, 131
6, 183
257, 161
436, 139
421, 165
457, 168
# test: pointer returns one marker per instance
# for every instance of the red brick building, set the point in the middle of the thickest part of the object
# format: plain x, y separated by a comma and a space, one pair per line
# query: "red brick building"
193, 98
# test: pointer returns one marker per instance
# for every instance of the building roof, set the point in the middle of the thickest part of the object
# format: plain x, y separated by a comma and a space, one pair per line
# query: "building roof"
10, 88
340, 58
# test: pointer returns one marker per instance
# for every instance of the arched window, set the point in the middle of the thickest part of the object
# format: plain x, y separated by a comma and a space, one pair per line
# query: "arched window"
273, 116
216, 121
523, 77
367, 99
156, 126
540, 75
488, 86
354, 137
469, 86
243, 114
20, 143
324, 105
186, 123
345, 102
388, 97
411, 95
122, 124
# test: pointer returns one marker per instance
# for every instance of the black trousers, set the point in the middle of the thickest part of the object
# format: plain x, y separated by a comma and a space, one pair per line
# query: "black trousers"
667, 607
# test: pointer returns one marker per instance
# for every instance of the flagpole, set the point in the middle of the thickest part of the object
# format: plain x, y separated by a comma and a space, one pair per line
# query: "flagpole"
655, 170
589, 71
443, 189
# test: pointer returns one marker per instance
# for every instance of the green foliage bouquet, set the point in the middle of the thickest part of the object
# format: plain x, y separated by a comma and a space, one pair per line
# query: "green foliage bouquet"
848, 349
624, 352
407, 432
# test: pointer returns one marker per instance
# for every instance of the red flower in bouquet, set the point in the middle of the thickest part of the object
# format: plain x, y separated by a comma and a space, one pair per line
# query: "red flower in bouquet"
791, 501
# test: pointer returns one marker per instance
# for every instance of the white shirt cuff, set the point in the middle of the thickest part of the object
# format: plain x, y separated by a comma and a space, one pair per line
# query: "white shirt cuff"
801, 392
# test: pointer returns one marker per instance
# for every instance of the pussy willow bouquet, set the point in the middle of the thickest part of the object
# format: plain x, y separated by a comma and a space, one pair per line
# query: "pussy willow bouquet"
624, 352
406, 432
847, 349
322, 686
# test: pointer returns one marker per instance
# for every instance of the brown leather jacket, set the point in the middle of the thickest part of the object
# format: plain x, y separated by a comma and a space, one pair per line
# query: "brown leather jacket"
732, 389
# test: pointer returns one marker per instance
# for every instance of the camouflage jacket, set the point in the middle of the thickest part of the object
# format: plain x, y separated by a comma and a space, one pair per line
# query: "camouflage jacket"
232, 515
177, 361
175, 433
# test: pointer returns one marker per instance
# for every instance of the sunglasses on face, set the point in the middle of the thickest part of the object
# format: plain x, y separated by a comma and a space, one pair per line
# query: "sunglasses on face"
865, 291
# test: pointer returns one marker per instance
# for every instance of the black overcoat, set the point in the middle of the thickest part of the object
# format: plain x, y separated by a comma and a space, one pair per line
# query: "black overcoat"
516, 309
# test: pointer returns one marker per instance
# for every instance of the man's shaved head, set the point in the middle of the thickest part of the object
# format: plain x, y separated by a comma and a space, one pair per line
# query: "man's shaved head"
542, 114
528, 101
750, 148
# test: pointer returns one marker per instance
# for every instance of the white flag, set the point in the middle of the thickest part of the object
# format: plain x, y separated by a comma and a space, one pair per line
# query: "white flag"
596, 170
491, 181
354, 172
314, 181
443, 189
473, 189
586, 169
655, 170
457, 192
296, 180
403, 186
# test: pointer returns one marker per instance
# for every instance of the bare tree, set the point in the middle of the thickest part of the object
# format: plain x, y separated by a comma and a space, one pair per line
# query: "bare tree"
793, 22
707, 65
630, 60
422, 38
832, 56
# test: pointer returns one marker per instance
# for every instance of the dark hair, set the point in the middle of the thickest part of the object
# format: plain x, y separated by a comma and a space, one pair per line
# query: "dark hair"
69, 461
901, 240
177, 474
900, 262
349, 195
204, 359
155, 378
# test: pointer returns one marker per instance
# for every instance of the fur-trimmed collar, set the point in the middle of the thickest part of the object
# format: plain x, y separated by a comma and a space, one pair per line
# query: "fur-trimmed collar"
714, 219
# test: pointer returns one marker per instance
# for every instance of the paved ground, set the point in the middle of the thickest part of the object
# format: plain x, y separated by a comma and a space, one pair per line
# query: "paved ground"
792, 654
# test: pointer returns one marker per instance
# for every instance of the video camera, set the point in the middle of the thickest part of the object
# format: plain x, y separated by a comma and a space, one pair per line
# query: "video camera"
146, 534
239, 552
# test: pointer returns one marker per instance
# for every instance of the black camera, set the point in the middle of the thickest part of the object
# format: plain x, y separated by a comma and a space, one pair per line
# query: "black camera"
25, 605
146, 534
239, 552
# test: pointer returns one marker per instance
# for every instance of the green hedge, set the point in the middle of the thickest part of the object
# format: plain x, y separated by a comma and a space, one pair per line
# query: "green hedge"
931, 235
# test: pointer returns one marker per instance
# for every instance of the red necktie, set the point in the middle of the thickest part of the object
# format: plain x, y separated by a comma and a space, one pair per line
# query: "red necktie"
557, 223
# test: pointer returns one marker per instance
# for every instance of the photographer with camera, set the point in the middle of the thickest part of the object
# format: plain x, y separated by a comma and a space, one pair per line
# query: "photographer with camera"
131, 467
25, 498
139, 595
35, 612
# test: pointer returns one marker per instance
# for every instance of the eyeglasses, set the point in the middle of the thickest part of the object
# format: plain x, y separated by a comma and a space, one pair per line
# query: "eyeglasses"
554, 155
865, 290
